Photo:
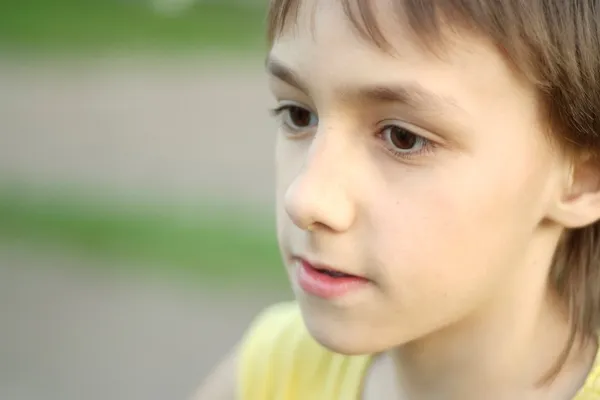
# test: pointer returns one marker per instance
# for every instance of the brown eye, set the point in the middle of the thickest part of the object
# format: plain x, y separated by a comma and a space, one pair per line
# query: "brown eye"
296, 118
300, 117
402, 140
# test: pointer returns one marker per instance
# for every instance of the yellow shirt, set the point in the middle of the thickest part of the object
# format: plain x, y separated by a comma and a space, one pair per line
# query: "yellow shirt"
279, 360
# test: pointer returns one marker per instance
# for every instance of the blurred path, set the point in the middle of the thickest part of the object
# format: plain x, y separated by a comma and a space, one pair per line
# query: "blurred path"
154, 129
73, 333
166, 131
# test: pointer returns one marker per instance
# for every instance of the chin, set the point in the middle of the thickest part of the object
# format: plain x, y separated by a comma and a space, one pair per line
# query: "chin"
342, 336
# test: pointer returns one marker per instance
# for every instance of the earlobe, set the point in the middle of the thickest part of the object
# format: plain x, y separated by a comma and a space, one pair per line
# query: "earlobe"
579, 203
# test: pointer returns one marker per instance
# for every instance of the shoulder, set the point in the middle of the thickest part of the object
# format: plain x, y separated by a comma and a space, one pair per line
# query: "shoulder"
263, 348
276, 350
277, 357
222, 383
278, 327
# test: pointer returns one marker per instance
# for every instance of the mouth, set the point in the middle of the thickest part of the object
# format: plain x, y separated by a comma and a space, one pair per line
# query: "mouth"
330, 271
325, 281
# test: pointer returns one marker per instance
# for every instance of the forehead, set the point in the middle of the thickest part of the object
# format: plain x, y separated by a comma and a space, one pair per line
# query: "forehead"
324, 47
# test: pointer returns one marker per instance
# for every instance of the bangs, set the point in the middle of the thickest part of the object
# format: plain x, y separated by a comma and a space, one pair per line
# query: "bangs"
423, 17
526, 33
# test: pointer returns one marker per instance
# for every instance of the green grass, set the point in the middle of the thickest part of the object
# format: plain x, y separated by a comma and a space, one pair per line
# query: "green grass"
209, 244
92, 26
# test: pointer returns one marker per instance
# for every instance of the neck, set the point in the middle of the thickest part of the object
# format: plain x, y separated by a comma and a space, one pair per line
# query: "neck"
505, 348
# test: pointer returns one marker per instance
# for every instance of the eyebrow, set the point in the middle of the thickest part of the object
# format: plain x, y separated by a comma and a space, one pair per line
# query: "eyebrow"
410, 94
285, 74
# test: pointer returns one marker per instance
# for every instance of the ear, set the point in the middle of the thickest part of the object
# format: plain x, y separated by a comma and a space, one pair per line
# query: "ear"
579, 203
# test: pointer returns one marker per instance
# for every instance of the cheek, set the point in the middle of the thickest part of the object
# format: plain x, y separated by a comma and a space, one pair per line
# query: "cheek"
451, 229
419, 244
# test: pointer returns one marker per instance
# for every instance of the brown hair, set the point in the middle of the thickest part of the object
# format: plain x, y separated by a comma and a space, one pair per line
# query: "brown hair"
555, 45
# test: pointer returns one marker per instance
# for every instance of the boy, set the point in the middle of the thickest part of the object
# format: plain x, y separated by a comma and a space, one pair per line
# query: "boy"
438, 196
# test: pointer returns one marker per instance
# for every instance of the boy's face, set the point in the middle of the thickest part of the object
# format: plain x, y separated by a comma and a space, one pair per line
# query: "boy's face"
428, 176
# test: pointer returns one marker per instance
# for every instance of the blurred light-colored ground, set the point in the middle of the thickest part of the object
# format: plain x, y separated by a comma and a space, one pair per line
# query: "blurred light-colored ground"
74, 333
175, 132
144, 127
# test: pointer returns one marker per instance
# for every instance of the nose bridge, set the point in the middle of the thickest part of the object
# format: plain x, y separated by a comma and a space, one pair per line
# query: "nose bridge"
328, 157
322, 191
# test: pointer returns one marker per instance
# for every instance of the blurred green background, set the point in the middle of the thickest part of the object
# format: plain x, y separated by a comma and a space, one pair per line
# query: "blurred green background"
92, 26
137, 235
177, 30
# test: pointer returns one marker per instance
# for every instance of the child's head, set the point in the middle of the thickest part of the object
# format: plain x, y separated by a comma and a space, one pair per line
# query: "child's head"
445, 150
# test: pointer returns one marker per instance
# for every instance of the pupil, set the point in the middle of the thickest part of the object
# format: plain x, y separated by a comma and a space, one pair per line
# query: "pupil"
300, 117
402, 139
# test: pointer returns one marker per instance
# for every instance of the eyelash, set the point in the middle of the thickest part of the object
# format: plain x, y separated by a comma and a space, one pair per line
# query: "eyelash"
278, 112
427, 146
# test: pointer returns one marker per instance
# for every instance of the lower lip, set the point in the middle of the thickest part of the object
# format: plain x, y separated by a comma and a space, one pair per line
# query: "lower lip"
322, 285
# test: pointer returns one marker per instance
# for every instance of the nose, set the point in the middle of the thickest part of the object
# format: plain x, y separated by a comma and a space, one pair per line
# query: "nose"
320, 197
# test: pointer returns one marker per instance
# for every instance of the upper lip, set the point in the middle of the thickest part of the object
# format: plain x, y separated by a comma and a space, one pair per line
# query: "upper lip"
322, 266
